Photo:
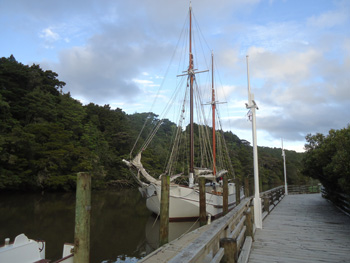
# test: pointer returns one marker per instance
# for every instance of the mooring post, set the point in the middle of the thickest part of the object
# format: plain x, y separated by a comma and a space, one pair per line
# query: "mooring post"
267, 203
246, 187
249, 223
225, 195
82, 219
230, 250
202, 202
164, 211
238, 191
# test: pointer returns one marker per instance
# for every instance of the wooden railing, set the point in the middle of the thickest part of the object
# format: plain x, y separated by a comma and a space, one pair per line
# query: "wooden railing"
342, 201
270, 199
229, 238
304, 189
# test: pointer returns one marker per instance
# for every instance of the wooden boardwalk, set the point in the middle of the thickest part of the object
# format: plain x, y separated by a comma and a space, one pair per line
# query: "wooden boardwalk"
303, 228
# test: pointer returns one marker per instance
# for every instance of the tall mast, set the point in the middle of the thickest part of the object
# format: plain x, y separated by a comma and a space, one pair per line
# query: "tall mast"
213, 106
191, 74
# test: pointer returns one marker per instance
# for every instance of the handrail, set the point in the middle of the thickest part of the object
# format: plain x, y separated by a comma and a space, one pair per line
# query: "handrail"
340, 200
303, 189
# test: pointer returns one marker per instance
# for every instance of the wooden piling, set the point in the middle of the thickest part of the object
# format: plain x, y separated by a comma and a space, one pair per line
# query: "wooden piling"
246, 187
267, 203
202, 202
82, 219
249, 223
164, 211
238, 191
225, 195
230, 250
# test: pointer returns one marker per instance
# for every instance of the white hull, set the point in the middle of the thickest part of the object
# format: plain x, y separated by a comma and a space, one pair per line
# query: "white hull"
25, 250
184, 201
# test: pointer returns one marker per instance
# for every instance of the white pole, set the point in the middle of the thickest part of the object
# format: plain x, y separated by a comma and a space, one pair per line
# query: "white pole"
257, 201
285, 170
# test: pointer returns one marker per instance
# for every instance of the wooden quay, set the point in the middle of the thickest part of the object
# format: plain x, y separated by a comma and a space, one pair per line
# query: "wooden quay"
296, 228
303, 228
227, 238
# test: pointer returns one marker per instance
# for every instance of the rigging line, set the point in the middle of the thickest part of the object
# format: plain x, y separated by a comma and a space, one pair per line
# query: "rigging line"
201, 45
171, 60
180, 137
188, 230
174, 152
157, 126
197, 24
145, 145
138, 137
160, 87
224, 95
206, 148
172, 99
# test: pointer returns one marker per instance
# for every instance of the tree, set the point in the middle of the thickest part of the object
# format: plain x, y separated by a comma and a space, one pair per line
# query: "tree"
327, 159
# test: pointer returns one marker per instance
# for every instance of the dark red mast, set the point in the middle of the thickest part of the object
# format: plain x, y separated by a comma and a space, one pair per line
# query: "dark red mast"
213, 106
191, 74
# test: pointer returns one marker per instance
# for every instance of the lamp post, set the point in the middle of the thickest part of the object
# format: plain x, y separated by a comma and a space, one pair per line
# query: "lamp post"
252, 113
285, 170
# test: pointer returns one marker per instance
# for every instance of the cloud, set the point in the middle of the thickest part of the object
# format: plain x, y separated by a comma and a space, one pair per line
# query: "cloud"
49, 35
329, 19
113, 52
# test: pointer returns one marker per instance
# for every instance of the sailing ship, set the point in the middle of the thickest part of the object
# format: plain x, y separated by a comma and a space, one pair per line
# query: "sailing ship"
184, 195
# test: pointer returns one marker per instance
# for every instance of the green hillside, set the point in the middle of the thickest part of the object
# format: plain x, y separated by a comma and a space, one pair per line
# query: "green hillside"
46, 137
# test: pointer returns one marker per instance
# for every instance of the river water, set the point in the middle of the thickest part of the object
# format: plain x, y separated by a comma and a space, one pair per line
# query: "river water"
122, 229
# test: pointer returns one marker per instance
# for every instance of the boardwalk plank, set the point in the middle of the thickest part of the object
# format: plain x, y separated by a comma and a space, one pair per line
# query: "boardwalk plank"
303, 228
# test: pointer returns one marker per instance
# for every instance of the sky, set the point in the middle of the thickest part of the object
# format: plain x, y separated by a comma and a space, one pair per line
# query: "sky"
115, 52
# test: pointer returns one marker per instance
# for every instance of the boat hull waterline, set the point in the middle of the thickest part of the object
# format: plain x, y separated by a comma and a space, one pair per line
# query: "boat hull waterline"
184, 201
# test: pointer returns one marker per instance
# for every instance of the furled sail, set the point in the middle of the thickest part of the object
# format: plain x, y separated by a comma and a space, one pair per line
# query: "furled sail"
136, 162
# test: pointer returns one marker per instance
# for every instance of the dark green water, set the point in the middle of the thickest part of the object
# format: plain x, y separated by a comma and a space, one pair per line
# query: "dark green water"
122, 229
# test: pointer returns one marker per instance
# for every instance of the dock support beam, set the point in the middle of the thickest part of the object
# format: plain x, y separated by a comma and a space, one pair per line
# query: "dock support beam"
82, 219
267, 203
202, 202
249, 223
238, 191
225, 195
164, 211
230, 250
246, 187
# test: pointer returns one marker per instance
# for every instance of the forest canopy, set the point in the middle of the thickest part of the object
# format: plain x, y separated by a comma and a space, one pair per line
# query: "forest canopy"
327, 159
47, 137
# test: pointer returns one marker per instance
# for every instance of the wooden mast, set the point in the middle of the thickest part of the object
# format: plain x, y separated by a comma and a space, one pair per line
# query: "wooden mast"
213, 105
191, 74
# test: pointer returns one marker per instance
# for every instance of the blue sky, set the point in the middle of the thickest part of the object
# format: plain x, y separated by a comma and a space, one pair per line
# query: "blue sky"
114, 52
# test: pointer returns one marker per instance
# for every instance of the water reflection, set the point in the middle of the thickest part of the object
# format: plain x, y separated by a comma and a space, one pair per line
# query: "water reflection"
122, 229
176, 229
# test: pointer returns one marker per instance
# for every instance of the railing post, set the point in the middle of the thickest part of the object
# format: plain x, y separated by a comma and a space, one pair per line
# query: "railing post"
249, 223
230, 248
225, 195
267, 203
164, 211
82, 219
202, 202
238, 191
246, 187
279, 194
